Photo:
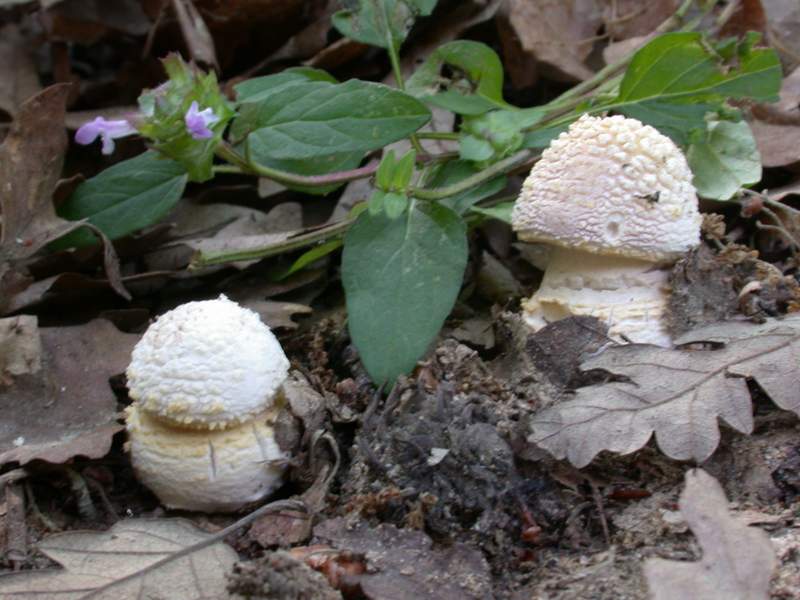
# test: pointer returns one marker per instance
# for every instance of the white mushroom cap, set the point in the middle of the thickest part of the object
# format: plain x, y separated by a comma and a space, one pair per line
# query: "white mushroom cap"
193, 469
611, 185
207, 364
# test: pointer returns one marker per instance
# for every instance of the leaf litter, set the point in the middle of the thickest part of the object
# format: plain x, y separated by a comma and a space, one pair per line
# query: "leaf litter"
677, 394
737, 560
465, 498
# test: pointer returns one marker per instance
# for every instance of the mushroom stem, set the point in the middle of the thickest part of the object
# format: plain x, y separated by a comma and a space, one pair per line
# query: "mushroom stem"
628, 294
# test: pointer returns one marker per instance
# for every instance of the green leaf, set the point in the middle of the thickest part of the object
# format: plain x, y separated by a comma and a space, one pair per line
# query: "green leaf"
682, 67
381, 22
501, 212
311, 256
312, 119
496, 134
476, 87
130, 195
401, 278
674, 120
395, 174
725, 159
456, 170
394, 204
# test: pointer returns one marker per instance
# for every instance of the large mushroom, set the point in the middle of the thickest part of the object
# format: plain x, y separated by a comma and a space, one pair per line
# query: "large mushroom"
614, 200
206, 378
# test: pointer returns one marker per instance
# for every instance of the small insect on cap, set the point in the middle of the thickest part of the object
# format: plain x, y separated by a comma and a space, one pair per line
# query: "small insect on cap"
611, 185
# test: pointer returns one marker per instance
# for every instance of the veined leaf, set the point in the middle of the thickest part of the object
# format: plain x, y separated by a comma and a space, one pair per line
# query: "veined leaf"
682, 66
678, 394
724, 159
124, 198
381, 22
501, 212
312, 119
401, 277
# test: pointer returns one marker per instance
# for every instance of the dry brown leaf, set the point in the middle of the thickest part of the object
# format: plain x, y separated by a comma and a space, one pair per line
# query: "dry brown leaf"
402, 564
17, 69
632, 18
30, 165
556, 33
195, 33
678, 394
783, 25
96, 562
65, 408
776, 127
737, 560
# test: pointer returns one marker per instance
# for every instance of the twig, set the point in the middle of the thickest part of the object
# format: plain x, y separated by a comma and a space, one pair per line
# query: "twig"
83, 498
48, 523
277, 506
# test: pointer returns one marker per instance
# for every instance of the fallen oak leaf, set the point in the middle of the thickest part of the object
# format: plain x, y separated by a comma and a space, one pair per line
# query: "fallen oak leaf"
678, 394
737, 561
92, 560
170, 565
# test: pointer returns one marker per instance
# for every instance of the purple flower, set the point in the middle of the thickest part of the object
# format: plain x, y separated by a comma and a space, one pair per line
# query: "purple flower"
107, 130
197, 121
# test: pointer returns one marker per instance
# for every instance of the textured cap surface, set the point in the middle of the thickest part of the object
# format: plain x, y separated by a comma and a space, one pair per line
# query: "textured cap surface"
207, 364
192, 469
611, 185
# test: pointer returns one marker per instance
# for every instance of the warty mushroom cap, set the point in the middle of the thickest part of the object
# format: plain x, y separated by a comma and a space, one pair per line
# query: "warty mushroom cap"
205, 470
611, 185
207, 364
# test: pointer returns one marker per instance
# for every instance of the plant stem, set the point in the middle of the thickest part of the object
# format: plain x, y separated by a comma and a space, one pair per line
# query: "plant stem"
243, 165
394, 57
206, 259
498, 168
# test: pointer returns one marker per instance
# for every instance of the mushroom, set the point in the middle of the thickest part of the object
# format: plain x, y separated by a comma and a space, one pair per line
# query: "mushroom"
614, 200
206, 379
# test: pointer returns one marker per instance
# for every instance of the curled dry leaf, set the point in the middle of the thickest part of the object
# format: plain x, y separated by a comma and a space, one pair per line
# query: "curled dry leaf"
737, 560
17, 69
677, 393
119, 563
557, 34
61, 405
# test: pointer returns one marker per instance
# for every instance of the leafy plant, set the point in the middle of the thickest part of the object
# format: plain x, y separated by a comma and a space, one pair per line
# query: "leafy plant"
406, 249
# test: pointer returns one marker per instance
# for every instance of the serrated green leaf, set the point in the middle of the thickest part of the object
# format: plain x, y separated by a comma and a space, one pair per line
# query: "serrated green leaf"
478, 87
674, 120
682, 67
381, 22
313, 119
130, 195
724, 160
401, 278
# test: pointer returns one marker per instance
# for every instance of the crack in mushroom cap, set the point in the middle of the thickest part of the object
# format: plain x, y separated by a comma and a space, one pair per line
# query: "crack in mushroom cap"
195, 469
611, 185
207, 364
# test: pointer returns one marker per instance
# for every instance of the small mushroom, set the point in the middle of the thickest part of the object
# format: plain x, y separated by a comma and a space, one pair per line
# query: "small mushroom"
206, 379
614, 200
